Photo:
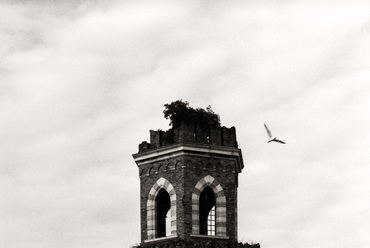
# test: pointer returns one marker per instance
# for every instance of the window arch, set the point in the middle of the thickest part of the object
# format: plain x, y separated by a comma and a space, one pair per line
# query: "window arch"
161, 204
208, 186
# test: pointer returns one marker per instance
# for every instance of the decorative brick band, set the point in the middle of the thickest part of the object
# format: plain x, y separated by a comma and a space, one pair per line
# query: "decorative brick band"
161, 183
220, 205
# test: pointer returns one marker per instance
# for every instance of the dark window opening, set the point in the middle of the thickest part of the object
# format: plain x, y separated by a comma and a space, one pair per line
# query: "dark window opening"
163, 206
207, 212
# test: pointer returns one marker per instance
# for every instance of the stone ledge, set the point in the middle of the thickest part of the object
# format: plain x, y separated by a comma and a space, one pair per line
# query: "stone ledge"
208, 236
160, 239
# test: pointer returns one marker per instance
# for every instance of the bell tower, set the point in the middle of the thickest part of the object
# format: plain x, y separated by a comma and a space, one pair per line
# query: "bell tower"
188, 186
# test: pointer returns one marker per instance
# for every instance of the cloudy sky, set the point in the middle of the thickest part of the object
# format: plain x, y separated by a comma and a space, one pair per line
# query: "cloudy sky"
83, 82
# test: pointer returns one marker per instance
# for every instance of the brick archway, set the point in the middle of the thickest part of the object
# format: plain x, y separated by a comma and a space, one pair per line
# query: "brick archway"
161, 183
220, 205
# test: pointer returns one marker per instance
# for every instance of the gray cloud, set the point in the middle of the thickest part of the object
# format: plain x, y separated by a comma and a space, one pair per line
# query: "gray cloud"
82, 82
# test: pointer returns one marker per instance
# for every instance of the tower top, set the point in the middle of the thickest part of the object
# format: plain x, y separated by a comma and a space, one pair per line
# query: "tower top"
190, 126
191, 133
188, 181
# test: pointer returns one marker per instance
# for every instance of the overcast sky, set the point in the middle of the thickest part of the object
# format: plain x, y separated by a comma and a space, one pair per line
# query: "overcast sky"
83, 82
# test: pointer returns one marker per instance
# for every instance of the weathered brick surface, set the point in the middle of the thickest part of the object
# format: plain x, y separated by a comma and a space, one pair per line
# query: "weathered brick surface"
184, 171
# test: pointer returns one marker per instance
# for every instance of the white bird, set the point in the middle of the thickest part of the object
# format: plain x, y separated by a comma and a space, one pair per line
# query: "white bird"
270, 136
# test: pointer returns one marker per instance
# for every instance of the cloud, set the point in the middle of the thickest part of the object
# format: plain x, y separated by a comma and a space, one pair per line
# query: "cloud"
82, 82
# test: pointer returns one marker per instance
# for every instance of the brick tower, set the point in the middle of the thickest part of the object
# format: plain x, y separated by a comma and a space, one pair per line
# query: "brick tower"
188, 187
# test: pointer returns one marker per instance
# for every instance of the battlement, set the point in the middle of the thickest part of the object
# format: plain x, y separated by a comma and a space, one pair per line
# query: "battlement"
191, 133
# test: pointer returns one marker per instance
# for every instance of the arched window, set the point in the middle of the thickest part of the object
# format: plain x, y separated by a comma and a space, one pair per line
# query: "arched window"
161, 210
207, 212
163, 207
208, 208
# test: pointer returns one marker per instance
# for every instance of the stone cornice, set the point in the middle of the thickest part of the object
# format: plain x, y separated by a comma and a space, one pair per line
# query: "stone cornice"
188, 149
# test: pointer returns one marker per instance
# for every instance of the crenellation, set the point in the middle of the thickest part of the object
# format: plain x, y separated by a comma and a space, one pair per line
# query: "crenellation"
229, 137
202, 134
191, 134
155, 138
215, 136
184, 133
144, 146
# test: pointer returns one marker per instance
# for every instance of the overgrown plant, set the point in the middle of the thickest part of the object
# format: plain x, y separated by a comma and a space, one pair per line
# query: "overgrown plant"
180, 112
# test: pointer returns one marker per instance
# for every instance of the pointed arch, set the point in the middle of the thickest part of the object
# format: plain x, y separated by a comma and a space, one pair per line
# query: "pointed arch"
189, 164
178, 164
159, 168
152, 171
220, 204
209, 166
199, 167
161, 183
142, 172
168, 167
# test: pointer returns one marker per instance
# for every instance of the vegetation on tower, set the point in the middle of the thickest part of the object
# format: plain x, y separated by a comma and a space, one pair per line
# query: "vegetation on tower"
180, 112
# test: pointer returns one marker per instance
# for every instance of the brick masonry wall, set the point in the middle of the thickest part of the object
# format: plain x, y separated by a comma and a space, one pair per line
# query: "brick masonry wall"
184, 172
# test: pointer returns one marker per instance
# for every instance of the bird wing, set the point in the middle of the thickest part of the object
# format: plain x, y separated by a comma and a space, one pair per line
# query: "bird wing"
268, 131
280, 141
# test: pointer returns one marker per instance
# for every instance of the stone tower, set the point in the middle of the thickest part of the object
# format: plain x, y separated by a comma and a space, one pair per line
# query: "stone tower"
188, 187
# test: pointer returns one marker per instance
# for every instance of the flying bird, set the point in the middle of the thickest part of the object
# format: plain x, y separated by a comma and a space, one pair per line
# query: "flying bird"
270, 136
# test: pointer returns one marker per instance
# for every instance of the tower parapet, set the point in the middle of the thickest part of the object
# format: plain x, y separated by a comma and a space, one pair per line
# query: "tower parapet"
191, 133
